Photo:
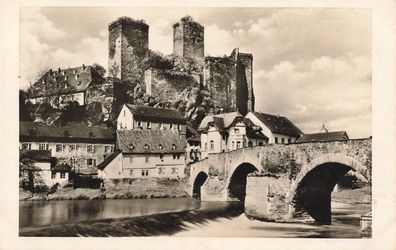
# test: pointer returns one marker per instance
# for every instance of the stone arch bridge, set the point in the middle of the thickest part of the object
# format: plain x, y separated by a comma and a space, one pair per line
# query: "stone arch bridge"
281, 179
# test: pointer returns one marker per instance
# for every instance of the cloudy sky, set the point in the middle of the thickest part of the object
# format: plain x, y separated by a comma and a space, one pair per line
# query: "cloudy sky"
310, 65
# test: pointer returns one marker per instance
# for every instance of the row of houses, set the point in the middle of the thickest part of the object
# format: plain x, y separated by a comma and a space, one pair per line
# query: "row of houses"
151, 142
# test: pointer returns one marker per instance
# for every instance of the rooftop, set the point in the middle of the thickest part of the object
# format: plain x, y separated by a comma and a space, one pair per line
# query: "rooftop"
324, 137
38, 131
278, 124
150, 141
150, 114
65, 81
220, 121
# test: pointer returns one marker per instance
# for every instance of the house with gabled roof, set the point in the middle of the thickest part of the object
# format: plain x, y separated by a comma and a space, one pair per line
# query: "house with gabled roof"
278, 129
87, 146
228, 131
139, 117
146, 154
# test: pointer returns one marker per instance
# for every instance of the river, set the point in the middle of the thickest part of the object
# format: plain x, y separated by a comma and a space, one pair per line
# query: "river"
212, 218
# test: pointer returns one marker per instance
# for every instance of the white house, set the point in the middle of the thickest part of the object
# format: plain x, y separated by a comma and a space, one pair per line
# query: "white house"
148, 118
46, 170
228, 131
277, 128
146, 154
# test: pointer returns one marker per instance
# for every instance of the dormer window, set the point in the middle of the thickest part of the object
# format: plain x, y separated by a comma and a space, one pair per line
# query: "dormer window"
79, 83
91, 134
173, 146
146, 146
148, 125
131, 147
76, 76
65, 86
139, 124
65, 78
75, 71
160, 146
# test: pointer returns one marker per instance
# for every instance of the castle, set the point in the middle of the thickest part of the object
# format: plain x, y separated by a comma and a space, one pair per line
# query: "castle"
220, 84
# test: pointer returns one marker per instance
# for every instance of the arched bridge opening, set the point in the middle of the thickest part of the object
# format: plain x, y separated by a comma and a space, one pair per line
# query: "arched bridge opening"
313, 192
237, 183
198, 182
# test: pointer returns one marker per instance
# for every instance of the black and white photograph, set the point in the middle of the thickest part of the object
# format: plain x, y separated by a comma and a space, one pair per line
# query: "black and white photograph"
198, 122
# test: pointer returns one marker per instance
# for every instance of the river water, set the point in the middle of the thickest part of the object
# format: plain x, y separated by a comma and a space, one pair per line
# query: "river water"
38, 214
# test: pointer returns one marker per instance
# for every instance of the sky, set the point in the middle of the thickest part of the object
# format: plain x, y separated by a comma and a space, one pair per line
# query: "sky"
311, 65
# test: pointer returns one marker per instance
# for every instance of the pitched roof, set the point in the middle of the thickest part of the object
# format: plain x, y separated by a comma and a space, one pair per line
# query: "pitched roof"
108, 159
324, 137
150, 141
164, 115
38, 131
192, 134
65, 81
220, 121
253, 131
278, 124
37, 155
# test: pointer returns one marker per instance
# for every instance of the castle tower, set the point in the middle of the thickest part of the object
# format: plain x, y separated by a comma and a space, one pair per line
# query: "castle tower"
188, 39
128, 47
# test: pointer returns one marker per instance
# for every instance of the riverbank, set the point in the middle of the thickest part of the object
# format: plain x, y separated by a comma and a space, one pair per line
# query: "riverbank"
109, 193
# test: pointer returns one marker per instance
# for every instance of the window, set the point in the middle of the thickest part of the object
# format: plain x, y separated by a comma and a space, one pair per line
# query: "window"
283, 140
173, 146
238, 144
276, 139
60, 147
145, 172
261, 143
76, 77
131, 172
62, 175
146, 146
211, 145
179, 127
161, 170
174, 156
108, 149
174, 170
161, 156
147, 160
43, 146
170, 126
250, 144
73, 147
91, 162
26, 146
161, 126
91, 148
236, 130
148, 125
53, 175
139, 124
206, 146
233, 145
289, 140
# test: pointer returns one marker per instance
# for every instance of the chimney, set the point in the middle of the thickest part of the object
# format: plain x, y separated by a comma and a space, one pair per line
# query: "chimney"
83, 66
59, 70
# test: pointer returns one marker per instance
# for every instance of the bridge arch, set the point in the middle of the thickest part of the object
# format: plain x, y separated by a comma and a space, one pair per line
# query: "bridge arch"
236, 183
199, 180
311, 190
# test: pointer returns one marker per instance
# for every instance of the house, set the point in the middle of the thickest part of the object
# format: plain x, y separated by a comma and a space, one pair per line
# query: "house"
228, 131
47, 171
324, 137
277, 128
76, 144
193, 150
146, 154
58, 87
149, 118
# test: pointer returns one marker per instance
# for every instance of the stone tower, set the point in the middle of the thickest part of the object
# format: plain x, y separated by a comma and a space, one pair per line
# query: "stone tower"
128, 47
188, 39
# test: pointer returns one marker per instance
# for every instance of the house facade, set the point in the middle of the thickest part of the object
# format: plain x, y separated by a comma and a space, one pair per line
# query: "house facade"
139, 117
228, 131
47, 173
77, 145
278, 129
146, 154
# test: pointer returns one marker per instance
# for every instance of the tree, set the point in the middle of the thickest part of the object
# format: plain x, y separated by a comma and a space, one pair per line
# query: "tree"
100, 69
28, 173
24, 107
72, 112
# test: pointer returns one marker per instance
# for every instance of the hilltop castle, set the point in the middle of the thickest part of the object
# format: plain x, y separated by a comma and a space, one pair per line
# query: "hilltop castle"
220, 84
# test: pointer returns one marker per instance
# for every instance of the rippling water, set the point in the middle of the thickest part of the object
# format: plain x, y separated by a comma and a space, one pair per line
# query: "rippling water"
38, 214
